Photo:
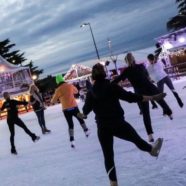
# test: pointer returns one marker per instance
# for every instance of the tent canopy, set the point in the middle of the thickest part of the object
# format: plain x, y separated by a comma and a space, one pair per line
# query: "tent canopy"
78, 71
5, 66
13, 79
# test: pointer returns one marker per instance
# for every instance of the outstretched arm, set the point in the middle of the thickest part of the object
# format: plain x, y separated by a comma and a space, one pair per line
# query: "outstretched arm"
132, 97
121, 77
21, 102
54, 98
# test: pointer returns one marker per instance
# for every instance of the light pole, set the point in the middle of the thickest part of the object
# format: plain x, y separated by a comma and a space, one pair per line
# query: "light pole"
113, 58
85, 24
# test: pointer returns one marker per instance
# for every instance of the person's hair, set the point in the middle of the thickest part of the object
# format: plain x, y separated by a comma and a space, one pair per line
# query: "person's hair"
130, 60
5, 93
150, 57
98, 72
158, 45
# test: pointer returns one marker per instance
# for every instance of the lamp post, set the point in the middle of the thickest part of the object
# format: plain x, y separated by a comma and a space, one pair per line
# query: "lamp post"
88, 24
113, 58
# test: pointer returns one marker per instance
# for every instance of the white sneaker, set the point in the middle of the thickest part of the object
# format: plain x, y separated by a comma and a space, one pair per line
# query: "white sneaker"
156, 147
72, 144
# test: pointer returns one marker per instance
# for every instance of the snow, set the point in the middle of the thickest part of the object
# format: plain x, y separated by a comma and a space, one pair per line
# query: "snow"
52, 162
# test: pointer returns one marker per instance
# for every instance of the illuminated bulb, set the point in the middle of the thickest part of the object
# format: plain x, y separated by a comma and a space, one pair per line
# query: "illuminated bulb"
168, 45
181, 39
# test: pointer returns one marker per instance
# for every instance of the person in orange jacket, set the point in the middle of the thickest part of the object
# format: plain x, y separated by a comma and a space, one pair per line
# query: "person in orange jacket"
65, 94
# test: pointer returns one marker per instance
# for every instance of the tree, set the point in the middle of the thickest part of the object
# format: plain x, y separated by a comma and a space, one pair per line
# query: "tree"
16, 57
179, 21
34, 69
12, 56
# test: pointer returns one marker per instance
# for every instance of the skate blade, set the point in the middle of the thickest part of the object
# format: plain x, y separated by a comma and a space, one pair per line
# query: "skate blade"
160, 148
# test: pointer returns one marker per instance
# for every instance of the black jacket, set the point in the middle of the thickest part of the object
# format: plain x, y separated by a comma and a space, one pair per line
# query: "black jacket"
103, 99
12, 107
139, 78
37, 105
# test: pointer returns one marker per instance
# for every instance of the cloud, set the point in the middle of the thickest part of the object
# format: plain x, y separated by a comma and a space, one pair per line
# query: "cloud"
50, 34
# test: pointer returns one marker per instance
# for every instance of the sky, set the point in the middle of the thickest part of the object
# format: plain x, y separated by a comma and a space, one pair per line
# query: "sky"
49, 31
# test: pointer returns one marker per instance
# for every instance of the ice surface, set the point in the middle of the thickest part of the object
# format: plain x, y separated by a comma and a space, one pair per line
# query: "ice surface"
52, 162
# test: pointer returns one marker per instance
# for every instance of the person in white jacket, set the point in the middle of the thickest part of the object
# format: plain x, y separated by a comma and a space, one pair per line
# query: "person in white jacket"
159, 76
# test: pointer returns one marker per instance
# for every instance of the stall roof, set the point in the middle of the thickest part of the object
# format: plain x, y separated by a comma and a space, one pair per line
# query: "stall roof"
5, 66
77, 71
181, 31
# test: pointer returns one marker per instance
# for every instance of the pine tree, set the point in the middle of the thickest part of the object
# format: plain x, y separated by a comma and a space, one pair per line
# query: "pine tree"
16, 57
179, 21
34, 69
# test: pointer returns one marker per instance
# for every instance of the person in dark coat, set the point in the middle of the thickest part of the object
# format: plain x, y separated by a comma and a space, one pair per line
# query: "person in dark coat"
11, 106
139, 78
103, 98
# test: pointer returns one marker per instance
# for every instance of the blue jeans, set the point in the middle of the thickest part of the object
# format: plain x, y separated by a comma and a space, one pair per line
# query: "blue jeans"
41, 118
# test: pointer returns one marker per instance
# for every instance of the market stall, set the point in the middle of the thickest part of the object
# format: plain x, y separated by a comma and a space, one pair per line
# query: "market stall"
14, 79
173, 53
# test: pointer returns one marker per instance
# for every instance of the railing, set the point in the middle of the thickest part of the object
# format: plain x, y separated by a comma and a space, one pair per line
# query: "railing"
177, 70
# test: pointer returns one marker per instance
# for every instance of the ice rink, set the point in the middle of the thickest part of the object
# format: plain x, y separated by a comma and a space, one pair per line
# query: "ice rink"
52, 162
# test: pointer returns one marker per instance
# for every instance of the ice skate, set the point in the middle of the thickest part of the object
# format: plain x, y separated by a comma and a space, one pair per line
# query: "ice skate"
47, 131
87, 133
72, 144
156, 147
113, 183
13, 151
35, 138
170, 117
150, 138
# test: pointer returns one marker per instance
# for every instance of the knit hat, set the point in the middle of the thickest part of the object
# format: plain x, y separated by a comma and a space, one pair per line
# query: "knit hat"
59, 79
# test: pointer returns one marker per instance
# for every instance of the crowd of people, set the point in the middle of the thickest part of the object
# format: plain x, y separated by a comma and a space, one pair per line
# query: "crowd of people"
102, 97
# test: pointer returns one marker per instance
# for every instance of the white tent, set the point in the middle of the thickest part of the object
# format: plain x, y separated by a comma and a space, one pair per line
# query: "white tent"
13, 78
77, 72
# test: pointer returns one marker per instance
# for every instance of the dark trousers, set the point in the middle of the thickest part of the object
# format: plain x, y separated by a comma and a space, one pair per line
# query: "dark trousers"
122, 130
144, 106
18, 122
166, 80
41, 118
69, 117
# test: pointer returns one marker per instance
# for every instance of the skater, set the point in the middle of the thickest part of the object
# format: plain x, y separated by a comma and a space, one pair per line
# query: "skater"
38, 106
103, 99
12, 119
138, 76
65, 93
158, 74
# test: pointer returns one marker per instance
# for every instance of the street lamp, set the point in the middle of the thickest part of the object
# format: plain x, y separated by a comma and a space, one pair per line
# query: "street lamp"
112, 56
34, 77
88, 24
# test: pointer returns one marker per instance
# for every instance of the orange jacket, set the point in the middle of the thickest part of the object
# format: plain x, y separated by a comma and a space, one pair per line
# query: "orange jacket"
65, 93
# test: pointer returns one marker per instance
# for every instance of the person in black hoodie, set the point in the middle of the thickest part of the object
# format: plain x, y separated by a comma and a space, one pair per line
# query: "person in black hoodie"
140, 80
103, 99
12, 119
38, 106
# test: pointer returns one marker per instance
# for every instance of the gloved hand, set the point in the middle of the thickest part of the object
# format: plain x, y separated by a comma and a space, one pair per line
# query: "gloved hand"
156, 97
81, 116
